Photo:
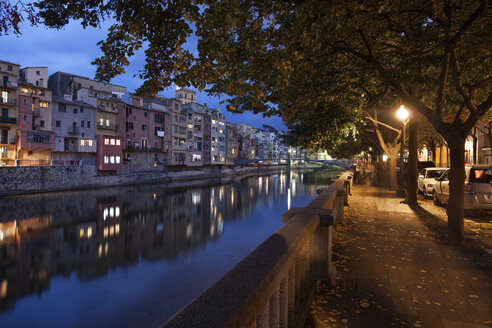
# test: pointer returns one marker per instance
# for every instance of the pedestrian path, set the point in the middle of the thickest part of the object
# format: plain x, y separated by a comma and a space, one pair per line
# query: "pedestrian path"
395, 268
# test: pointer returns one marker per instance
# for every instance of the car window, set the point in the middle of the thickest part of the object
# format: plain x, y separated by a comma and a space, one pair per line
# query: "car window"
481, 175
435, 173
445, 175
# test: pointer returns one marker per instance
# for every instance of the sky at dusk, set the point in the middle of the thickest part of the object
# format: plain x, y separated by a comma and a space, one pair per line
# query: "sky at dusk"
72, 50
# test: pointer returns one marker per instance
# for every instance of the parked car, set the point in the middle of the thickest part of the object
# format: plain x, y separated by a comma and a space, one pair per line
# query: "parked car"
478, 188
427, 179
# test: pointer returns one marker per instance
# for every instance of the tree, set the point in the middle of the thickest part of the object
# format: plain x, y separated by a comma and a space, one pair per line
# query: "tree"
300, 55
12, 14
390, 142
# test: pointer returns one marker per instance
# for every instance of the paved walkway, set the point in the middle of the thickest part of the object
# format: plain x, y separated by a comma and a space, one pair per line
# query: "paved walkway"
396, 269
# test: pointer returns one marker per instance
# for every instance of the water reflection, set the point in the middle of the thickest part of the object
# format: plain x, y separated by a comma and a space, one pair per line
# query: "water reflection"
92, 232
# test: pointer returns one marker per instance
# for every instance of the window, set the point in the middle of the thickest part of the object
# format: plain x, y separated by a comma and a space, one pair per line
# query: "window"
25, 90
25, 117
44, 104
75, 110
106, 159
106, 141
144, 127
118, 159
41, 123
38, 138
82, 123
88, 124
24, 101
107, 122
38, 73
118, 142
111, 160
146, 114
9, 68
41, 92
62, 108
81, 109
112, 142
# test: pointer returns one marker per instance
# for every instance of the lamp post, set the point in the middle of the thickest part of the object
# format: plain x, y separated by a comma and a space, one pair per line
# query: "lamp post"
402, 115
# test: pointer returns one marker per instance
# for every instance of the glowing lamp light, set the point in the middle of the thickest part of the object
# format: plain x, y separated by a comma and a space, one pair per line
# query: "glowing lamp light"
402, 113
385, 157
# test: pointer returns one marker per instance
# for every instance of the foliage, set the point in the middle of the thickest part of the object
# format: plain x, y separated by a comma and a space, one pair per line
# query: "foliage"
12, 14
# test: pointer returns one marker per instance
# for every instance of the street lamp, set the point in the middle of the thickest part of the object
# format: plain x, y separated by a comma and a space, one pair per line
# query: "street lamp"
402, 115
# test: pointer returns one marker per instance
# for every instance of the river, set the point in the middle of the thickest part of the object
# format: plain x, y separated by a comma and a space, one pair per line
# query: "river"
133, 256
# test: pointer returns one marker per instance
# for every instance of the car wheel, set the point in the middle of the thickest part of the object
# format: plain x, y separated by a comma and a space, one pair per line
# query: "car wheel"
435, 199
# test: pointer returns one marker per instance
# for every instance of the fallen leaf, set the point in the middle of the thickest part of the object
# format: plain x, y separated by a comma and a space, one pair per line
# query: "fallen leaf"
364, 304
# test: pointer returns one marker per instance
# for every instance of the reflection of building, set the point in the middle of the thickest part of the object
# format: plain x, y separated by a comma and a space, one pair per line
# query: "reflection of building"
91, 232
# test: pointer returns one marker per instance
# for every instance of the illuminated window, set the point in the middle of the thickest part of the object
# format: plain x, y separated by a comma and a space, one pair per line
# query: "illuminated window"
89, 142
99, 251
107, 122
111, 212
111, 230
106, 232
117, 211
112, 160
82, 232
118, 159
89, 232
44, 104
118, 142
25, 90
82, 143
106, 159
112, 142
117, 229
105, 214
106, 141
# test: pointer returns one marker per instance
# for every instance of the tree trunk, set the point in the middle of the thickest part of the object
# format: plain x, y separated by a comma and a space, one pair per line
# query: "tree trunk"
393, 157
455, 210
411, 176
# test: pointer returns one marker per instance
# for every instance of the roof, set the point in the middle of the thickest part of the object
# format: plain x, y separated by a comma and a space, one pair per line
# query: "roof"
87, 78
72, 102
6, 62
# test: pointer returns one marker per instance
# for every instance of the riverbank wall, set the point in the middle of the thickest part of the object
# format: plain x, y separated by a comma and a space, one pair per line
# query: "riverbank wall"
37, 179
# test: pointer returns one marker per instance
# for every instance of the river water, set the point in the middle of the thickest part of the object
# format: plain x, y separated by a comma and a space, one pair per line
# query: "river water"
133, 256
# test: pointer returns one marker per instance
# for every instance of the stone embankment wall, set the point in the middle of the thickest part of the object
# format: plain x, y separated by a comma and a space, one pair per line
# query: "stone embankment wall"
20, 180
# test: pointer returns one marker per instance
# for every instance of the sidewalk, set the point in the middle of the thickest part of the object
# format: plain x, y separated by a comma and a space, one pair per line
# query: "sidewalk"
396, 269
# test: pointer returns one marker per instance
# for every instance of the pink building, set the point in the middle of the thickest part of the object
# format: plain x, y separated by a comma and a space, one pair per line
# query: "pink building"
141, 128
34, 145
109, 153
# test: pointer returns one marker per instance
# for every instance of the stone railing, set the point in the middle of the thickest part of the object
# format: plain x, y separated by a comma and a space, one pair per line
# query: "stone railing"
274, 285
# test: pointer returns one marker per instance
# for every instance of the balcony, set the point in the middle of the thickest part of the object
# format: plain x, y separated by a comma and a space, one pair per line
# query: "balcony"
7, 141
9, 85
108, 109
9, 102
73, 130
8, 120
106, 127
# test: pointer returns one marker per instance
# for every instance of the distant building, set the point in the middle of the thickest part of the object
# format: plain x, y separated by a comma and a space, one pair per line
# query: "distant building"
36, 141
9, 74
185, 96
105, 98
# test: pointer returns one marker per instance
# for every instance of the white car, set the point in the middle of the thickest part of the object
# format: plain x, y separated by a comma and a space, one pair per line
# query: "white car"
427, 179
478, 188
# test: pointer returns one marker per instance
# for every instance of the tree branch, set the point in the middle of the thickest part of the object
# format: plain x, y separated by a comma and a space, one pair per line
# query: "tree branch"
442, 83
469, 22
